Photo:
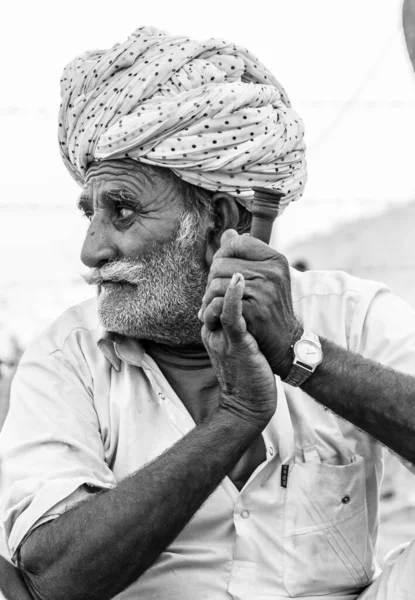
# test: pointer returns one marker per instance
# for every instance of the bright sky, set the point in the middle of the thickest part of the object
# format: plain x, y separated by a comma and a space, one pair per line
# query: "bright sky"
343, 63
319, 49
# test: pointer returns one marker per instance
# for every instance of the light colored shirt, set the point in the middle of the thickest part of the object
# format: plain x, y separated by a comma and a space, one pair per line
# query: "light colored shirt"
89, 408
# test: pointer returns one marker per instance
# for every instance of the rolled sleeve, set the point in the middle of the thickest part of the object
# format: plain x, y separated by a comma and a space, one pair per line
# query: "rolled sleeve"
50, 445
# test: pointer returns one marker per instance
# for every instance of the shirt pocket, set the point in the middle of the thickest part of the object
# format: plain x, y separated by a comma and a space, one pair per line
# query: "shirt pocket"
326, 543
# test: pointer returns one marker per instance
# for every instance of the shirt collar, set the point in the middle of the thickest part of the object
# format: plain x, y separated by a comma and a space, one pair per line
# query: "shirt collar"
116, 348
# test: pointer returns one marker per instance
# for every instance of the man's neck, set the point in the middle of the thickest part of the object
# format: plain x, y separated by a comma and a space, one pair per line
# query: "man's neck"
182, 353
190, 373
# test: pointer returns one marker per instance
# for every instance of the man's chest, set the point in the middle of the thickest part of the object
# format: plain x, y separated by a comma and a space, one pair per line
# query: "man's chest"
199, 391
258, 526
248, 463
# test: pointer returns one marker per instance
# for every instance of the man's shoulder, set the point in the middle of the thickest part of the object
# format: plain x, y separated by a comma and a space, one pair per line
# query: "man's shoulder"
335, 284
334, 303
79, 321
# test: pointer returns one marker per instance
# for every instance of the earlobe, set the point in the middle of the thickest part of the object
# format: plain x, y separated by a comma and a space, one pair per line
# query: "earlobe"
225, 215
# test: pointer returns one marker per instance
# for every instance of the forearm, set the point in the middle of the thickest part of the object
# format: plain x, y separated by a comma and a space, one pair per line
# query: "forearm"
104, 544
373, 397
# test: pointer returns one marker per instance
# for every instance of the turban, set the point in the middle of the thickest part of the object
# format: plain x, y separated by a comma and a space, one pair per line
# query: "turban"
210, 111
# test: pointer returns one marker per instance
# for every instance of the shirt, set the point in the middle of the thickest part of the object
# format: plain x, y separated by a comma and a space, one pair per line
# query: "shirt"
89, 408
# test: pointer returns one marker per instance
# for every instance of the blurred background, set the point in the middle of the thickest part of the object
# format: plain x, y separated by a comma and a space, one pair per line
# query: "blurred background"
347, 71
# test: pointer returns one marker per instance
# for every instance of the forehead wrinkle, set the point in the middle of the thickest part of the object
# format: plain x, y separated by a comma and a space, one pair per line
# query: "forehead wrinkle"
120, 181
121, 167
143, 184
144, 174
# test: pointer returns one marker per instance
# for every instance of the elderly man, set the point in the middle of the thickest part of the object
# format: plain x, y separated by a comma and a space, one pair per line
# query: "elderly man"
150, 451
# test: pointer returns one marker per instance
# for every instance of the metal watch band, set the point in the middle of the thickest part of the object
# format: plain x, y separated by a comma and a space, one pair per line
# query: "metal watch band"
297, 375
313, 337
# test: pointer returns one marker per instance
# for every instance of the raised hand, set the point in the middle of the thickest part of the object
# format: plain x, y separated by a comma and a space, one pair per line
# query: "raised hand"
245, 377
267, 304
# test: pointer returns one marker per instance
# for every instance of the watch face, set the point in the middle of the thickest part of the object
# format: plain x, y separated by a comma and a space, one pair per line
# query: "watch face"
308, 353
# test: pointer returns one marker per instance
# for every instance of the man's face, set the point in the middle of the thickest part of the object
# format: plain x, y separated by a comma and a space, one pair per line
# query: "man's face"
145, 252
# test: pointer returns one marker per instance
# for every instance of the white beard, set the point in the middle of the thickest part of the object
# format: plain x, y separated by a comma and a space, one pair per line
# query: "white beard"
164, 292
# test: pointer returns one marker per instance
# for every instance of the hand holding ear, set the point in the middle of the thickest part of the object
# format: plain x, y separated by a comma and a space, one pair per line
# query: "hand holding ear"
267, 303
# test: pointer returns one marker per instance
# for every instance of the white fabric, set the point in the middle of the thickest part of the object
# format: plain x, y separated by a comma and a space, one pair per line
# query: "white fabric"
397, 581
210, 111
77, 408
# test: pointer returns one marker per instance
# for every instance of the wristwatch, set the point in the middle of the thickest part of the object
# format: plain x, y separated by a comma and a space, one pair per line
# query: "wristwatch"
307, 356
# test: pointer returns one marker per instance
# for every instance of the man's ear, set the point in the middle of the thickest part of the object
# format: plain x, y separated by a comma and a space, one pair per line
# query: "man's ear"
225, 216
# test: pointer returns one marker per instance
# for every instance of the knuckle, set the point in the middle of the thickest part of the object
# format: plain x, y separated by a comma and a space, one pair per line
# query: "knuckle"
226, 319
215, 267
216, 302
217, 305
282, 261
216, 285
279, 271
236, 242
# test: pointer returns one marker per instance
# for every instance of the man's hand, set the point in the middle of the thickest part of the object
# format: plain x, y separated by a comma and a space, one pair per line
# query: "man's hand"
245, 377
267, 303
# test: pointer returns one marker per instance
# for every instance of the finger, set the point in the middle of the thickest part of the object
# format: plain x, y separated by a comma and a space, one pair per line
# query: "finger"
216, 288
212, 313
231, 318
226, 267
221, 274
244, 246
218, 281
228, 236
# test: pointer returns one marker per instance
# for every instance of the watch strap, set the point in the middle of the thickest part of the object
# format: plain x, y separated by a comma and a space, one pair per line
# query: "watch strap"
312, 337
297, 375
299, 371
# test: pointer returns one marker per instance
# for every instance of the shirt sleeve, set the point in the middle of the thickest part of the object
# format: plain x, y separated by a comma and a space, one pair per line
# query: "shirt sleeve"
388, 332
50, 446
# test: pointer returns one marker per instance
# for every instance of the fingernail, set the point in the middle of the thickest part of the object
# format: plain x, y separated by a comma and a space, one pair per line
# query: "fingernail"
236, 277
199, 315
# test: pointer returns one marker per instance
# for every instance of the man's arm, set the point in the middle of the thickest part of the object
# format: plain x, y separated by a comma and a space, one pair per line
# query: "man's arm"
373, 397
102, 545
370, 395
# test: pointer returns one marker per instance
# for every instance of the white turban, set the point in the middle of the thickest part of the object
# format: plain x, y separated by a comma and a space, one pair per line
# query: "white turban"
209, 111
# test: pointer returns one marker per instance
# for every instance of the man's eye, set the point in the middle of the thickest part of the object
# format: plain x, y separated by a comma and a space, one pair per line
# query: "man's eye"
123, 212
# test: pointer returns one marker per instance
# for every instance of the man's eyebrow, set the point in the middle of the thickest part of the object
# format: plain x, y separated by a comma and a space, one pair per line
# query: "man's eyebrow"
119, 194
84, 202
113, 195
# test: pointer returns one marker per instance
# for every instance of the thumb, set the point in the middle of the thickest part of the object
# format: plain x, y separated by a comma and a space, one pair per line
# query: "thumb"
228, 236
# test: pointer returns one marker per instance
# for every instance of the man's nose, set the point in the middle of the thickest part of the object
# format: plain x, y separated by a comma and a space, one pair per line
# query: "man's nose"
98, 247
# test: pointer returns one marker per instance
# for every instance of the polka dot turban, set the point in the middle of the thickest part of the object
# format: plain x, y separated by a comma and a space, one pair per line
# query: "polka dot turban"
209, 111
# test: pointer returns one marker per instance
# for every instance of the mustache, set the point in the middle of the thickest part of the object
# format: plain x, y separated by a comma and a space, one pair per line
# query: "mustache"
119, 271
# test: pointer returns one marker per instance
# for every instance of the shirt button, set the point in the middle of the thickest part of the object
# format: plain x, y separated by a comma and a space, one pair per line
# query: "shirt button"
346, 499
245, 514
271, 451
162, 396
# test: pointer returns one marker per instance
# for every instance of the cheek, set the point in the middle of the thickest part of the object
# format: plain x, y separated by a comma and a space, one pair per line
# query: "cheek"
130, 246
142, 237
